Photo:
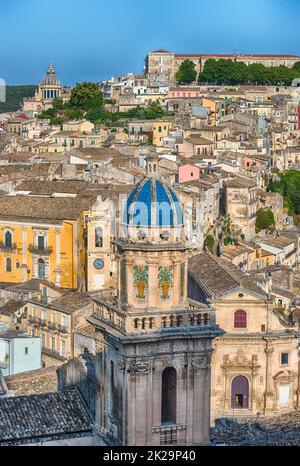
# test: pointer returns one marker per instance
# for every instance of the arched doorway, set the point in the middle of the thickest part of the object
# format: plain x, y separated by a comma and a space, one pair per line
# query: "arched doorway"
240, 393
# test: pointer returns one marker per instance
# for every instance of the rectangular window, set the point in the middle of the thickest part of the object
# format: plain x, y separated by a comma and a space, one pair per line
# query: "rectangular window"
63, 348
41, 243
26, 350
53, 343
64, 321
284, 359
263, 328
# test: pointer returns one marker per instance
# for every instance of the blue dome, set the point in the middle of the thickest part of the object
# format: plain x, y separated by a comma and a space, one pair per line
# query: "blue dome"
152, 203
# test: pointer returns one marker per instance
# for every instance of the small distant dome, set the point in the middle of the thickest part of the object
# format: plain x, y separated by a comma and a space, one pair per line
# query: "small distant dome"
152, 203
50, 79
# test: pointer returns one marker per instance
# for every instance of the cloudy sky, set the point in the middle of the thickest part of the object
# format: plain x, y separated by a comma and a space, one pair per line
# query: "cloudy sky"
95, 39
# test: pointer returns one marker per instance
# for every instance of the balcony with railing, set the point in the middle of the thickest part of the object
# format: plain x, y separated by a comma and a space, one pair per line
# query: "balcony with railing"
8, 246
40, 251
52, 326
43, 322
32, 320
62, 329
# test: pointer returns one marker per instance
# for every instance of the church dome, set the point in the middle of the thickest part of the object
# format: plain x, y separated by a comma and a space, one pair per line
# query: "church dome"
152, 203
50, 79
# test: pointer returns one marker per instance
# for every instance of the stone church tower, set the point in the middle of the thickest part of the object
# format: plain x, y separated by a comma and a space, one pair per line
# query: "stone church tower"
154, 371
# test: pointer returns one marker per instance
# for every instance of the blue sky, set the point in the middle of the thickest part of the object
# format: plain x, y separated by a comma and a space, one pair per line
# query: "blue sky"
94, 39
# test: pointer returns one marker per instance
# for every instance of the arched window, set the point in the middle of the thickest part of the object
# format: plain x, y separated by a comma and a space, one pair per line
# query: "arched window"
240, 319
169, 395
8, 239
8, 264
98, 237
41, 269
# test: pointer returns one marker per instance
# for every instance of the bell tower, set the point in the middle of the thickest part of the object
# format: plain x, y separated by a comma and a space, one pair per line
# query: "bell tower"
154, 372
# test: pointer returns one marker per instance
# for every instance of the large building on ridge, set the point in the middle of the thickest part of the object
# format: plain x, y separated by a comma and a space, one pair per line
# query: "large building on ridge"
167, 63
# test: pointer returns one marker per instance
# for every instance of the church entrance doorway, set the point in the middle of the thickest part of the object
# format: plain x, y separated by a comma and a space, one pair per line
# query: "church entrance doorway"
240, 393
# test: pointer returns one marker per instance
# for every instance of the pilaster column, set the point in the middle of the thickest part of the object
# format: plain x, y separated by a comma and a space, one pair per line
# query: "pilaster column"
269, 392
24, 254
298, 379
253, 391
176, 284
152, 282
57, 258
129, 280
201, 398
227, 394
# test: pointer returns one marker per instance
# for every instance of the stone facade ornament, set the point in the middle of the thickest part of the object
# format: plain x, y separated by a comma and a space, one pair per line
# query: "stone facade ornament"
241, 360
121, 365
201, 362
141, 368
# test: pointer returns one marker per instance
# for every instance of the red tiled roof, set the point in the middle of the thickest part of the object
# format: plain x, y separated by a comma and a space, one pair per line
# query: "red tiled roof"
160, 51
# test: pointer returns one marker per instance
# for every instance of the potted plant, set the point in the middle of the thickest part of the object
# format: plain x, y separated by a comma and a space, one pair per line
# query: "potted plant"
165, 280
141, 280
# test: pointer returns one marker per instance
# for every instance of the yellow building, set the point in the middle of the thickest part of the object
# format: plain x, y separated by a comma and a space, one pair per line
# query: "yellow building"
161, 130
216, 107
43, 238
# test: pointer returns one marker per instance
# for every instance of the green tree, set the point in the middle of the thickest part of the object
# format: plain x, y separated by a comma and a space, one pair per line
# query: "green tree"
264, 219
257, 74
209, 242
296, 67
154, 111
288, 186
186, 73
86, 96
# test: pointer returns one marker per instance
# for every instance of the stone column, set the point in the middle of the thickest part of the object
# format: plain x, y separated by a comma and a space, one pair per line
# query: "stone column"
57, 258
269, 392
201, 405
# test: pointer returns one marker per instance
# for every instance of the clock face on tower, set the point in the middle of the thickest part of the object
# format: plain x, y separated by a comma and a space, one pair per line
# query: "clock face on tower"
98, 264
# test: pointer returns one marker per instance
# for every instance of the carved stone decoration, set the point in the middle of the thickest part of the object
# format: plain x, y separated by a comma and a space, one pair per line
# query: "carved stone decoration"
201, 362
121, 365
241, 360
141, 368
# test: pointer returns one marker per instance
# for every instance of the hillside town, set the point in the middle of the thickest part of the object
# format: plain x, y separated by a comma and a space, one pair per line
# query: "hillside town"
150, 257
